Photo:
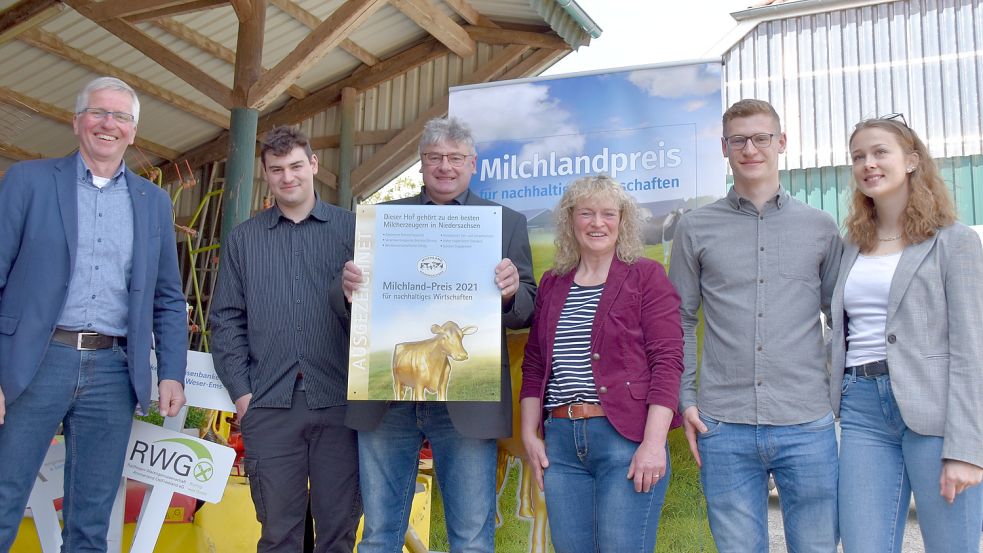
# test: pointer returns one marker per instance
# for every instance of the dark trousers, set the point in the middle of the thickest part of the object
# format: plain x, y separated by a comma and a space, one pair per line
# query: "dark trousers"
298, 456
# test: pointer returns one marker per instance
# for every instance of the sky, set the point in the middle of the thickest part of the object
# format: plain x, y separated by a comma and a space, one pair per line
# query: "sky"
644, 32
641, 32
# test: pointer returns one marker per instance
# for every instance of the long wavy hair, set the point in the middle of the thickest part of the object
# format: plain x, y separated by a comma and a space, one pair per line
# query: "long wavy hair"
929, 205
629, 246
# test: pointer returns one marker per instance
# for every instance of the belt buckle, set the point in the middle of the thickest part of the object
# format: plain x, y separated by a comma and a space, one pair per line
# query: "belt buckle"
570, 416
78, 341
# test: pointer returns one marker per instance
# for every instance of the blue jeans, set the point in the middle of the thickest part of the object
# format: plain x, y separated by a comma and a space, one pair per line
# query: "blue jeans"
90, 393
737, 459
388, 458
882, 462
591, 504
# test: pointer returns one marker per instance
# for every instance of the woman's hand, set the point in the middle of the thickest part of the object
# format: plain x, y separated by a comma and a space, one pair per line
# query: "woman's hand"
648, 465
957, 477
536, 451
530, 419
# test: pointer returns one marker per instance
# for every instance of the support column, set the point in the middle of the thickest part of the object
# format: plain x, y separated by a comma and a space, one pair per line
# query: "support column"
237, 199
346, 146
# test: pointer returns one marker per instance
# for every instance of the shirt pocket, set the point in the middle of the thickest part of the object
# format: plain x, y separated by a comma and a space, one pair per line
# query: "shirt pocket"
798, 256
8, 325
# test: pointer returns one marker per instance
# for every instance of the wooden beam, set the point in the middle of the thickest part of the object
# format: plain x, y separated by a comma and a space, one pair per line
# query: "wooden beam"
362, 138
26, 14
213, 47
182, 68
327, 178
311, 21
468, 13
249, 51
215, 150
193, 37
330, 95
55, 113
361, 54
55, 46
387, 160
119, 9
534, 64
27, 103
15, 153
511, 36
295, 11
243, 9
425, 14
322, 99
348, 17
189, 7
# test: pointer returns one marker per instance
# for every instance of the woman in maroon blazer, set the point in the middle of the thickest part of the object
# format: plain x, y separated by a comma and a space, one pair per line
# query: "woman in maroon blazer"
600, 377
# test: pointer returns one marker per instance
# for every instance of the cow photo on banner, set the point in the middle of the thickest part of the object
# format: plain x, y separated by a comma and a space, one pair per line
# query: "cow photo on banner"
654, 129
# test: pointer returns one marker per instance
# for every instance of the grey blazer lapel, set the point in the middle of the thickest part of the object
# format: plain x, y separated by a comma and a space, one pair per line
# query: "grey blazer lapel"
911, 259
850, 253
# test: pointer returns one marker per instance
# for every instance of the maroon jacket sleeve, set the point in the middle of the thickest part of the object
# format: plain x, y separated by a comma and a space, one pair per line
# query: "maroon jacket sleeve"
534, 367
663, 336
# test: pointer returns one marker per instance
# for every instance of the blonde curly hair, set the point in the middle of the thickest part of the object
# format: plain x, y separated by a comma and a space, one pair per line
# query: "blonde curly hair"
929, 205
629, 246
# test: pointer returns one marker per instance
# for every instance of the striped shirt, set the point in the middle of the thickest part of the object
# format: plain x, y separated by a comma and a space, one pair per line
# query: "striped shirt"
571, 379
270, 315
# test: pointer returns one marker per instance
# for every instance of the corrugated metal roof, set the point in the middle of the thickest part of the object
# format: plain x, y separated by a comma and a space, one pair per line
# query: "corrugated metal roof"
826, 71
30, 70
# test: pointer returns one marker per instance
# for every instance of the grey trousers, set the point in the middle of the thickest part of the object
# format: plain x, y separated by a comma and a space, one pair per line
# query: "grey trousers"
300, 455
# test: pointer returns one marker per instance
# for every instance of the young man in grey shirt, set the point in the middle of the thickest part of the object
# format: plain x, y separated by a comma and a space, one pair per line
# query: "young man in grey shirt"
763, 265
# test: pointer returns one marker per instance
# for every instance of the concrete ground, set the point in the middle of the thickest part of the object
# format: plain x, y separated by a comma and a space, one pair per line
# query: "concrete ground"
912, 534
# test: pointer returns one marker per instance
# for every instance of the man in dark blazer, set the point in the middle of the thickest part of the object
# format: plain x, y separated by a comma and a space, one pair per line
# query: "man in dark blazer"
462, 434
89, 281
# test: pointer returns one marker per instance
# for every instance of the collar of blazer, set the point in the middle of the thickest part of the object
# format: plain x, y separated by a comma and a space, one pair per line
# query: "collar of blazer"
612, 288
911, 258
66, 184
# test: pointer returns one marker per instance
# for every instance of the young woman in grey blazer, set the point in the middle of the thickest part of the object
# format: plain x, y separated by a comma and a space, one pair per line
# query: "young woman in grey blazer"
908, 346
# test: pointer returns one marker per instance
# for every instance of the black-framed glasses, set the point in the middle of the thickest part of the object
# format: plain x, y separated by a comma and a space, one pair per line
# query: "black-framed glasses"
100, 114
739, 142
891, 116
433, 159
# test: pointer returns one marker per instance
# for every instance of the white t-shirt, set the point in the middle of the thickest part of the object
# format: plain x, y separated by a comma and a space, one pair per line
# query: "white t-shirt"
865, 297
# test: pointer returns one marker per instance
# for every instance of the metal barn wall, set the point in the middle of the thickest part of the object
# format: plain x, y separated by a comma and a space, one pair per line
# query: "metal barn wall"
828, 188
824, 72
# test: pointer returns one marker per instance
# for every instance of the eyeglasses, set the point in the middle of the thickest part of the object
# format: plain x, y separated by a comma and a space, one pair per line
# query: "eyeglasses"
739, 142
433, 159
100, 114
891, 116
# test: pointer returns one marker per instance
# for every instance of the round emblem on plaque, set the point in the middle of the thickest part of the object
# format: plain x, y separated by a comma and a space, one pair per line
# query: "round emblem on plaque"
431, 265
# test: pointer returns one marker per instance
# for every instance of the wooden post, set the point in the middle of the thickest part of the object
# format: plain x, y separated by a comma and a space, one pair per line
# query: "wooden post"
237, 198
346, 146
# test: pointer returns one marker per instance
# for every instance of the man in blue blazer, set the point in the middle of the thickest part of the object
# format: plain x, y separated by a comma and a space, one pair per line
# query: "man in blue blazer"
89, 280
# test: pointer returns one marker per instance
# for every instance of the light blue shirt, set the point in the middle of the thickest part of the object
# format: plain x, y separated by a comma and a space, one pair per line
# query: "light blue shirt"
99, 288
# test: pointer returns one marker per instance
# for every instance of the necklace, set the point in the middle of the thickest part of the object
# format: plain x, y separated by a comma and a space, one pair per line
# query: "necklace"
889, 238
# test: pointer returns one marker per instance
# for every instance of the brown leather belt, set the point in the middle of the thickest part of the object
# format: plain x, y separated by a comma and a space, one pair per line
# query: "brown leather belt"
576, 411
86, 341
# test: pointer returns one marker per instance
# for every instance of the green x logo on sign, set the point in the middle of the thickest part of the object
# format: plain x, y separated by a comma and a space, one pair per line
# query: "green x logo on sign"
203, 471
